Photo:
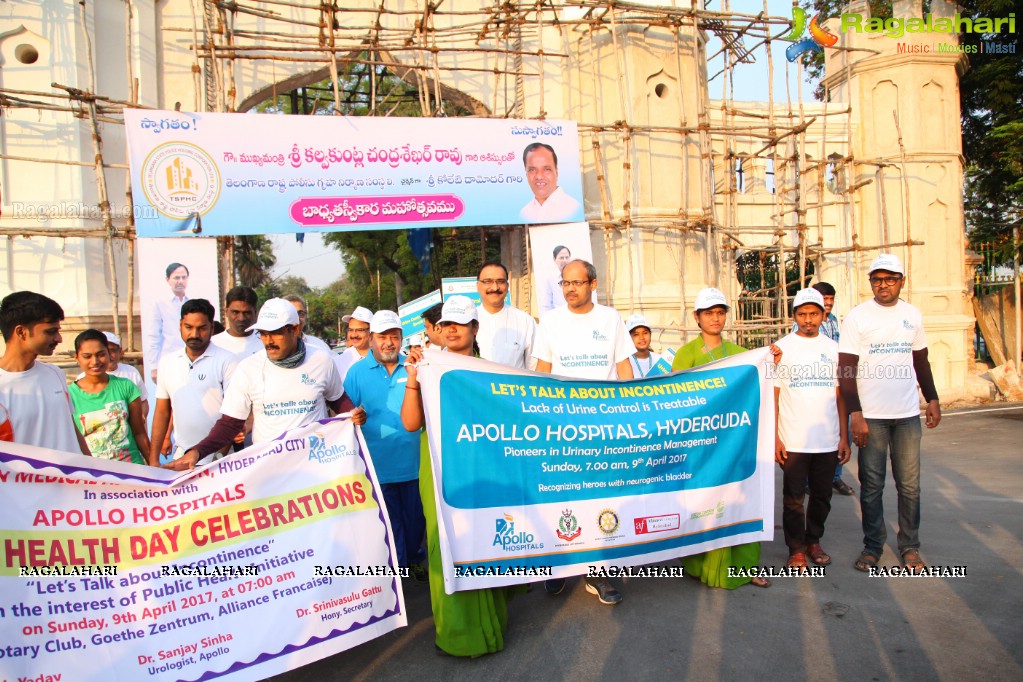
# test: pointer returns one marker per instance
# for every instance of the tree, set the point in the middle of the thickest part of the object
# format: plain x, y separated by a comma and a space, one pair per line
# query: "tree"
253, 260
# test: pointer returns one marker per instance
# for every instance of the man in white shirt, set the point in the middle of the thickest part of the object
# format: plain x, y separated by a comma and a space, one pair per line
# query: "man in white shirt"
585, 340
289, 385
191, 382
162, 335
644, 359
240, 314
550, 204
810, 428
357, 337
303, 315
505, 333
551, 295
882, 356
33, 392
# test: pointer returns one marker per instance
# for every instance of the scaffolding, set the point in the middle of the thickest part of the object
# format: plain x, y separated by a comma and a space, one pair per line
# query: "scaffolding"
440, 47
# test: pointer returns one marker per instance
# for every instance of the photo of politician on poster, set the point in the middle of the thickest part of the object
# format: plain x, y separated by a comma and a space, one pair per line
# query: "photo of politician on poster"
553, 247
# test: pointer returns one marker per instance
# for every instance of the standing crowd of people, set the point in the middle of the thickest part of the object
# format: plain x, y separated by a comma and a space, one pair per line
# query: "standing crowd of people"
263, 375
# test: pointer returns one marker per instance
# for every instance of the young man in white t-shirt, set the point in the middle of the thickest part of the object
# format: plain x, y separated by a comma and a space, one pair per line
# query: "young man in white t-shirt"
644, 359
584, 340
505, 334
240, 313
810, 428
882, 356
35, 393
288, 386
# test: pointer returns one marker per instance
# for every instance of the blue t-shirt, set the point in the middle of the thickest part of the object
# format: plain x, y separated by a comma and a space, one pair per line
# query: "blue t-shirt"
394, 451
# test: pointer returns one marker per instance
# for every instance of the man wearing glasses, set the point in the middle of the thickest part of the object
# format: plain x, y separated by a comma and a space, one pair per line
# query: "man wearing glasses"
882, 357
357, 338
290, 385
506, 333
583, 340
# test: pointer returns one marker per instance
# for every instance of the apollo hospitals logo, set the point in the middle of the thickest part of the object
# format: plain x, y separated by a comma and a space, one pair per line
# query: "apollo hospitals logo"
818, 38
320, 451
509, 540
180, 180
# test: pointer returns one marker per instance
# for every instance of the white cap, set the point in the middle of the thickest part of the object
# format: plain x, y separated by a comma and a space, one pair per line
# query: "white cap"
382, 320
637, 320
887, 261
361, 314
112, 338
458, 309
709, 298
804, 296
274, 314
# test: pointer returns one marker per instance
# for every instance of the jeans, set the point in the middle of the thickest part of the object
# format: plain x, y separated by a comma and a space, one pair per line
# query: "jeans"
806, 526
901, 439
405, 512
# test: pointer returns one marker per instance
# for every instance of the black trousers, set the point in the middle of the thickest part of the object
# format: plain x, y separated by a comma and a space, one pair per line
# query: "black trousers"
806, 527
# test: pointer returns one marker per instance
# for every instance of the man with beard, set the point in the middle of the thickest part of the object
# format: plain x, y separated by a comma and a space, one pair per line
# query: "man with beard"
35, 393
289, 385
377, 384
240, 314
506, 333
190, 382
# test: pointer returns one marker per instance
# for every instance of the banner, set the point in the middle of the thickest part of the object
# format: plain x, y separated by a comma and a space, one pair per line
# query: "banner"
533, 471
268, 559
411, 313
228, 174
466, 286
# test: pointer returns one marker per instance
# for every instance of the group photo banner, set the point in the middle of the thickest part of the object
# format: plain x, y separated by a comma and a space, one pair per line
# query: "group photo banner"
224, 174
533, 471
243, 568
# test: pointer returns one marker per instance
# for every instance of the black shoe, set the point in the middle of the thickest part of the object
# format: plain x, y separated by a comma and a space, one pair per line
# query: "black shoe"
605, 591
417, 573
841, 488
554, 585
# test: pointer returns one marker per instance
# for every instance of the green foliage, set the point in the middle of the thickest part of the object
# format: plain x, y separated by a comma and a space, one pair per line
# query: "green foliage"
757, 272
253, 260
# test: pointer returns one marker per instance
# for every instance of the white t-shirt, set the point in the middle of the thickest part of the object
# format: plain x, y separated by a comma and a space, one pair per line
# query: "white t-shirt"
345, 360
807, 404
884, 338
39, 406
559, 206
281, 399
241, 346
584, 346
640, 367
195, 390
128, 372
506, 337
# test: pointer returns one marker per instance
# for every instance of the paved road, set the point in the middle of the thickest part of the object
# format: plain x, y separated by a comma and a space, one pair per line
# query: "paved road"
843, 626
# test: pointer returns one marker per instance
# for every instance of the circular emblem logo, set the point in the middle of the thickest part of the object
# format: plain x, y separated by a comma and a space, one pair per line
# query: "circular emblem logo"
607, 521
180, 180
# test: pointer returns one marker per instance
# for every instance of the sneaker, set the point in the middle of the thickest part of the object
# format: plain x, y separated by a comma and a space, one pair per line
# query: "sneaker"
554, 585
605, 591
841, 488
418, 573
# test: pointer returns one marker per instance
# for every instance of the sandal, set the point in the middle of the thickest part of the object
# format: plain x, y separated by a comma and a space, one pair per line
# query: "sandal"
796, 560
866, 561
818, 555
759, 581
911, 561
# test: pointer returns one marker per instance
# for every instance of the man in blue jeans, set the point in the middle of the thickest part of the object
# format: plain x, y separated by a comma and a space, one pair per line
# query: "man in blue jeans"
882, 357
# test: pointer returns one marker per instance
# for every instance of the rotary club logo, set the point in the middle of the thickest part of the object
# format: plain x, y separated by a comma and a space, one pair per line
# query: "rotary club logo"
607, 521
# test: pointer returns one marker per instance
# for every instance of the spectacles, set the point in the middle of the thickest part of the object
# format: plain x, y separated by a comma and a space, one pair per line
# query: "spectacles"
891, 280
577, 283
492, 282
356, 330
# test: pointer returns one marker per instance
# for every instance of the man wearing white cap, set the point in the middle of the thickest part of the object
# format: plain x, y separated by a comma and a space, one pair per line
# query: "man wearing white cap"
287, 386
358, 338
644, 359
585, 340
506, 333
190, 383
377, 384
810, 428
124, 371
882, 357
